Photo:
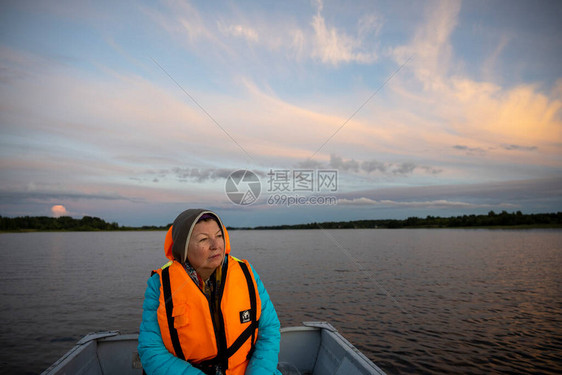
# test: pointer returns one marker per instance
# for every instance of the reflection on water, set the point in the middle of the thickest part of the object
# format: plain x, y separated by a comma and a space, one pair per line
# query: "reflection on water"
414, 301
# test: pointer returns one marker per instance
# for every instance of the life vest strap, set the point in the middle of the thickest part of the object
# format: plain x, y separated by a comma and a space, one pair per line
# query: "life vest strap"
253, 312
169, 308
249, 331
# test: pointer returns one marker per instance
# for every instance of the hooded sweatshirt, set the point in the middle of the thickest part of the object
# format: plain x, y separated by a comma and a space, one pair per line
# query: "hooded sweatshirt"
156, 359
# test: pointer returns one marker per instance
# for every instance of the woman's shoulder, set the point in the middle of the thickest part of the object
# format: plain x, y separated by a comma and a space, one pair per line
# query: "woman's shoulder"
153, 282
245, 261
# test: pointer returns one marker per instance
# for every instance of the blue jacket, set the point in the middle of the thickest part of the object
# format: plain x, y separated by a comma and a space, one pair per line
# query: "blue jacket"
156, 359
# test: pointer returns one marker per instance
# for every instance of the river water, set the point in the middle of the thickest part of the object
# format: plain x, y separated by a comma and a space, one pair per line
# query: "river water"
414, 301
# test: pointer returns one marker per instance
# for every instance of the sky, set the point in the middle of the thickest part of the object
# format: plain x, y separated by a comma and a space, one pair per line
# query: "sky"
133, 111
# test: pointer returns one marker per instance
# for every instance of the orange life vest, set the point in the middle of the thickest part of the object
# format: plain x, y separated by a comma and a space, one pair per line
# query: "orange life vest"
186, 320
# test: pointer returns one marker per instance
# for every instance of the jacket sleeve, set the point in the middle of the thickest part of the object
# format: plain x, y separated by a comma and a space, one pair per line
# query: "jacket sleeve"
266, 354
155, 358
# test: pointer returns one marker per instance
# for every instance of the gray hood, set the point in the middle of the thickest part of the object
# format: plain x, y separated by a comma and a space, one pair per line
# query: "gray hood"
182, 228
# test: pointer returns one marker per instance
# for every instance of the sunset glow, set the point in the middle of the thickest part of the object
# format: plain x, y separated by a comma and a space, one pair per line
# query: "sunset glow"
135, 112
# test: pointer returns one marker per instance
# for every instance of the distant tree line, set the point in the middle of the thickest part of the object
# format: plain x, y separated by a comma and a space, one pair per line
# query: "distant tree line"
63, 223
40, 223
492, 219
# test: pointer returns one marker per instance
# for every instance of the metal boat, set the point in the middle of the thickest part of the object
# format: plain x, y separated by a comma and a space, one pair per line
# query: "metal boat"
316, 348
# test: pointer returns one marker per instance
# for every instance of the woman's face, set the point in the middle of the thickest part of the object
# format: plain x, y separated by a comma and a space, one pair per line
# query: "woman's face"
206, 248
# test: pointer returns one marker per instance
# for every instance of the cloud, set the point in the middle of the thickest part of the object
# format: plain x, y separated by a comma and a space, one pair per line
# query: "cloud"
519, 148
332, 46
430, 170
370, 166
201, 175
347, 165
93, 123
404, 168
59, 210
311, 164
357, 202
50, 194
449, 107
489, 67
182, 21
514, 193
432, 204
239, 31
312, 39
431, 47
519, 115
105, 120
482, 118
470, 150
373, 166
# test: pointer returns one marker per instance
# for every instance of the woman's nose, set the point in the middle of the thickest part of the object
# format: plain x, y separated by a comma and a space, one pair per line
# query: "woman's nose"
215, 243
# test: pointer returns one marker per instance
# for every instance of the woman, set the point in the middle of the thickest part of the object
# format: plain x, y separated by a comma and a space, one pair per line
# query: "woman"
206, 312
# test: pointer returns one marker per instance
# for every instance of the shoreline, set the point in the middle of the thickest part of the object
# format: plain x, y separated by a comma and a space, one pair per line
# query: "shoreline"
492, 220
281, 228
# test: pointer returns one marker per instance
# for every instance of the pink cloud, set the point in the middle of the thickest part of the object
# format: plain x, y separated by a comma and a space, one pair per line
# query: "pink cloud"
59, 210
